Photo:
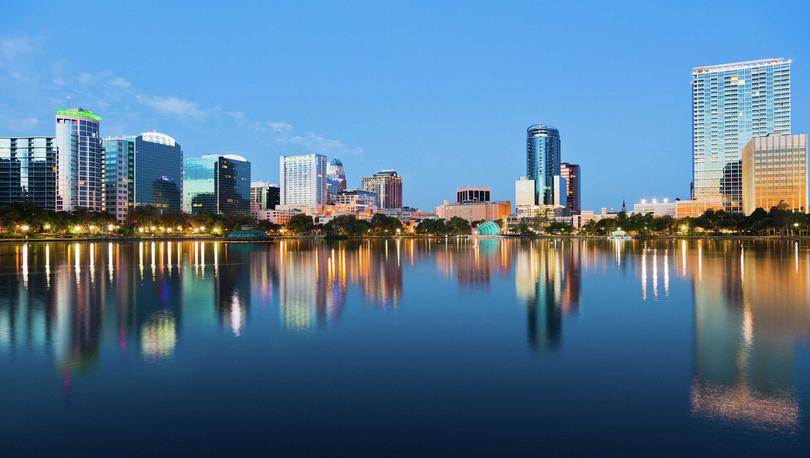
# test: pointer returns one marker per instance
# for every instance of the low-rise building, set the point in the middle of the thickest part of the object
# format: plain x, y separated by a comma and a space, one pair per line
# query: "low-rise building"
774, 172
657, 207
487, 211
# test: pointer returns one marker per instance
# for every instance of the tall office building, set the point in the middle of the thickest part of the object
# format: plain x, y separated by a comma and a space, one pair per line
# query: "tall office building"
303, 180
388, 186
28, 171
146, 169
80, 160
264, 195
774, 170
335, 179
571, 174
731, 103
543, 161
216, 184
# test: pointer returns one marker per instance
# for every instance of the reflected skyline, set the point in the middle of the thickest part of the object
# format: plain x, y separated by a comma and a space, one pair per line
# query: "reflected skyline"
73, 303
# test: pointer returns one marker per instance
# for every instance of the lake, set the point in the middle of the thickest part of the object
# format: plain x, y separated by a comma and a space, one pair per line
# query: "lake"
405, 347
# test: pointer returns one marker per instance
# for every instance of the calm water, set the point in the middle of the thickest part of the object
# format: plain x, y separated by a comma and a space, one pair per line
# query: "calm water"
479, 347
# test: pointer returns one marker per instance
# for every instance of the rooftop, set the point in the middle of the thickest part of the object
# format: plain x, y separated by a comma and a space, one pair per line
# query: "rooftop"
739, 65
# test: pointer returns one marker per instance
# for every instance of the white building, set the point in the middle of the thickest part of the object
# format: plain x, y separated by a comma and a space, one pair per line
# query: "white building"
303, 180
524, 192
657, 207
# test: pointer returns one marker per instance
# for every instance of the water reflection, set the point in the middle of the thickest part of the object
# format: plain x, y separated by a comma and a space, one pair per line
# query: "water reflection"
73, 301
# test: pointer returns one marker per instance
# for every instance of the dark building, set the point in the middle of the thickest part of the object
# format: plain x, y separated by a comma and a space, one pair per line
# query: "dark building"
216, 184
572, 175
473, 194
28, 171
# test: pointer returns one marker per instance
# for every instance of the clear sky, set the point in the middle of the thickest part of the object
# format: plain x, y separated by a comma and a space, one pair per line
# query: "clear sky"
440, 91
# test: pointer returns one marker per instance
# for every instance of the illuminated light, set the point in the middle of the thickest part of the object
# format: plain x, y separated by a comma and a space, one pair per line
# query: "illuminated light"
141, 230
202, 228
216, 230
179, 228
24, 228
46, 226
152, 228
92, 227
77, 228
110, 227
79, 114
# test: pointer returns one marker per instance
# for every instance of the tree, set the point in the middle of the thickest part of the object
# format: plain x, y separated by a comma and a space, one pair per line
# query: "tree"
459, 226
385, 225
347, 225
432, 227
557, 227
300, 223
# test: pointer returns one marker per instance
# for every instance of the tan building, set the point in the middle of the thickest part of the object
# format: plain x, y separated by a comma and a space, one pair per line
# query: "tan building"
524, 192
696, 207
487, 211
774, 172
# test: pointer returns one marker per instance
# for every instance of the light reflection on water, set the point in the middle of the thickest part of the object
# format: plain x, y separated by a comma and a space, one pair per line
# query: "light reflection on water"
73, 302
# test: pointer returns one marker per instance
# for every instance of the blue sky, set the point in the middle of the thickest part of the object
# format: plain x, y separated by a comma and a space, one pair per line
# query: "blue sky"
441, 91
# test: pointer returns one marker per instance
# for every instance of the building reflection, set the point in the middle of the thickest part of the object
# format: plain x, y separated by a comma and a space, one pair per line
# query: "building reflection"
547, 280
751, 309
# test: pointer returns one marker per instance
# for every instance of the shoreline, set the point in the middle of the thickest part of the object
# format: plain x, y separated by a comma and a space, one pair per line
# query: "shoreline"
272, 239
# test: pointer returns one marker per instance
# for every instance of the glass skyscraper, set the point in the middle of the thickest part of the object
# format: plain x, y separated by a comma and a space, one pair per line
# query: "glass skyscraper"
731, 103
216, 184
79, 164
143, 170
542, 161
28, 171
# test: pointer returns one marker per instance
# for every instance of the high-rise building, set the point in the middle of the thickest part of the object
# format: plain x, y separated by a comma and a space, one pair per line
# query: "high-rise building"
774, 172
146, 169
303, 180
473, 194
80, 160
264, 195
731, 103
216, 184
28, 171
388, 185
524, 192
571, 174
560, 193
357, 201
335, 179
543, 161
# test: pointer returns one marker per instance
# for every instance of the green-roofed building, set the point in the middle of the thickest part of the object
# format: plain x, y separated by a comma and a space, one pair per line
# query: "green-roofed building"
80, 159
488, 228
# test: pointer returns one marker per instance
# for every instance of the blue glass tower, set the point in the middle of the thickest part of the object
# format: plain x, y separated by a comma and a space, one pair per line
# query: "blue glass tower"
731, 103
543, 161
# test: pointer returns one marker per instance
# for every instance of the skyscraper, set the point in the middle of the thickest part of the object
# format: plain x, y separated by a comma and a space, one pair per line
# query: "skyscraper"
335, 179
80, 158
28, 171
388, 185
216, 184
571, 174
774, 170
543, 161
730, 104
303, 180
142, 170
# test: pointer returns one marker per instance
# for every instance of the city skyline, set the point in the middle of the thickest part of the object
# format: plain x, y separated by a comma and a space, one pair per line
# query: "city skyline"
465, 110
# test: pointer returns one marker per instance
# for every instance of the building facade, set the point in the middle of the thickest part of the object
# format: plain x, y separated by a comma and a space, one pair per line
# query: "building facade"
387, 184
357, 201
774, 169
473, 194
80, 160
146, 169
482, 211
656, 207
543, 161
524, 192
303, 180
335, 179
572, 175
28, 171
264, 195
731, 103
216, 184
